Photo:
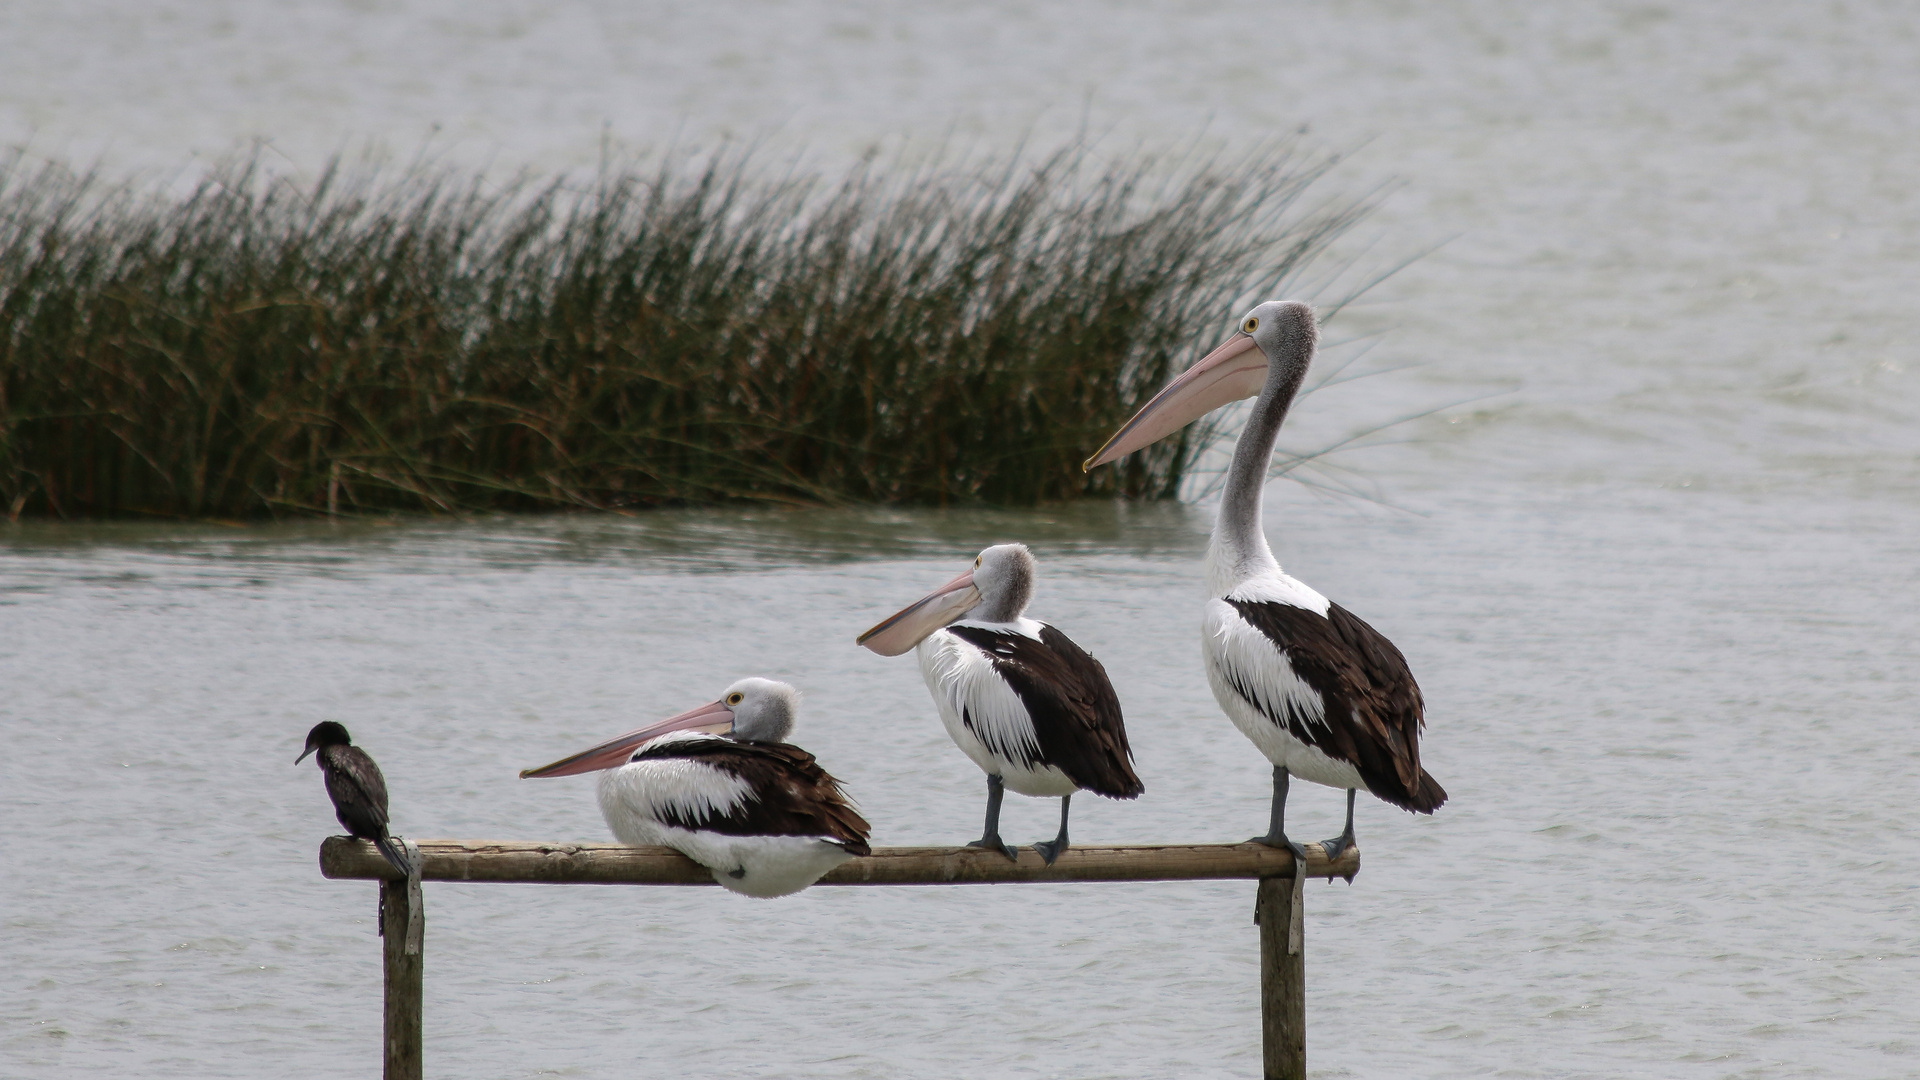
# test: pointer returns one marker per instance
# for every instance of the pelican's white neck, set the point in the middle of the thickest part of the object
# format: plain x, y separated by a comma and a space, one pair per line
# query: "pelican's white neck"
1239, 550
1234, 559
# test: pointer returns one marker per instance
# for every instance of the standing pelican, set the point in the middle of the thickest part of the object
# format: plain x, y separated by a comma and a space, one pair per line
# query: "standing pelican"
358, 791
721, 785
1030, 707
1323, 695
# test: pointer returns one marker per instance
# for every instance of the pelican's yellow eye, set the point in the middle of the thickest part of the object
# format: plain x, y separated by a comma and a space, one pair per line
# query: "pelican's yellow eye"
735, 699
976, 562
1253, 323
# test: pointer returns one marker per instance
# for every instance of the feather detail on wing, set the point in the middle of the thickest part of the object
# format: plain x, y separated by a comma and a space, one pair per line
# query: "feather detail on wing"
358, 790
1339, 685
755, 789
1073, 716
966, 676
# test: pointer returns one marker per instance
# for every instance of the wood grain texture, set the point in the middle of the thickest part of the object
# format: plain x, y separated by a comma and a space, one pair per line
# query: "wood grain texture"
405, 978
1283, 981
617, 864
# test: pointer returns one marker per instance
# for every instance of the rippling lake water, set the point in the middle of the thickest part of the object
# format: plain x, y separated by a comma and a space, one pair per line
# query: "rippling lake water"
1660, 581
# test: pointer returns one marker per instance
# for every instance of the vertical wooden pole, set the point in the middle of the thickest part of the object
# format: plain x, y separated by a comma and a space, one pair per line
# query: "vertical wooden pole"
404, 984
1283, 981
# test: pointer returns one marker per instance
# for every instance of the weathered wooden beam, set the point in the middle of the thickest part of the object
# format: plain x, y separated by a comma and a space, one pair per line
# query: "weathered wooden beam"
1283, 979
405, 981
1277, 907
617, 864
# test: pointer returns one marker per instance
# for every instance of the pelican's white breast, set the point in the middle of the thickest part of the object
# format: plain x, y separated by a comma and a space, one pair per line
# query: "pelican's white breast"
758, 866
635, 797
965, 686
638, 798
1243, 663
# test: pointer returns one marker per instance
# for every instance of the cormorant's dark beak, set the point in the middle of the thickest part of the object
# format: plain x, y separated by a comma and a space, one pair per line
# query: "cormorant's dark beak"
310, 749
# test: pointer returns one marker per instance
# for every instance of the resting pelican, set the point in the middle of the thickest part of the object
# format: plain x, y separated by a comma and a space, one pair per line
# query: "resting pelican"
1030, 707
1323, 695
358, 791
721, 785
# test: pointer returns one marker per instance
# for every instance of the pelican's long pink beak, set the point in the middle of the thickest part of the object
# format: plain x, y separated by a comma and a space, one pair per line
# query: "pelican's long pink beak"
1235, 370
712, 717
909, 626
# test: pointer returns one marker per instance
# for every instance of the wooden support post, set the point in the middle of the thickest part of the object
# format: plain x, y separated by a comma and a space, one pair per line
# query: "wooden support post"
1283, 981
1278, 909
404, 983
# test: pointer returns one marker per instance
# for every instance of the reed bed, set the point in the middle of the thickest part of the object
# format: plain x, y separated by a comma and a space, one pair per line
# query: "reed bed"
691, 332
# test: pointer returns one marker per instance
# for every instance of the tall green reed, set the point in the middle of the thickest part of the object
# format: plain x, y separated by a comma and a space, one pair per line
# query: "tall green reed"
702, 331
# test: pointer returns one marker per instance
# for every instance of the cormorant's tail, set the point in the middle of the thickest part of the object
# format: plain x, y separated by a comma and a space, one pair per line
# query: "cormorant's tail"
395, 854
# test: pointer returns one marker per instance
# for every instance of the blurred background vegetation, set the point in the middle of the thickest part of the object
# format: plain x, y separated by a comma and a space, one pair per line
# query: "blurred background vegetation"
699, 330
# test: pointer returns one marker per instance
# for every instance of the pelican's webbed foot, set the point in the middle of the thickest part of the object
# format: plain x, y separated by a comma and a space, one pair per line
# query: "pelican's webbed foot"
1051, 849
990, 839
992, 842
1276, 822
1282, 841
1339, 844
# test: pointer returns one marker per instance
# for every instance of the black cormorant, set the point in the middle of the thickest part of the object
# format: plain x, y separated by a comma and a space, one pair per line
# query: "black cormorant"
358, 791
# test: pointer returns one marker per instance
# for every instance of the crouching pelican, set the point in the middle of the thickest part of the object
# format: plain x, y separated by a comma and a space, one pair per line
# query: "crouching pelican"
1030, 707
721, 785
1323, 695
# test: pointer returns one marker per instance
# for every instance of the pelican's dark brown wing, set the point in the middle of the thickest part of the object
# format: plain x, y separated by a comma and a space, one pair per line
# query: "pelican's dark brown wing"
1373, 711
1070, 701
788, 793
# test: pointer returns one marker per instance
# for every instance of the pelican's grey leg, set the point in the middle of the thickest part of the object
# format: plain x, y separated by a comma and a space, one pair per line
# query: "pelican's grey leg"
1277, 822
1277, 837
1345, 840
1051, 849
996, 790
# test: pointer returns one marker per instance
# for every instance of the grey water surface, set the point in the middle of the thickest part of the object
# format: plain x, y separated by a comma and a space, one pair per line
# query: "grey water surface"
1659, 577
1675, 729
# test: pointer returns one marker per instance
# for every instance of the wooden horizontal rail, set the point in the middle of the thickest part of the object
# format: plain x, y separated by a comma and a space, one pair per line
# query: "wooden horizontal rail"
617, 864
1277, 909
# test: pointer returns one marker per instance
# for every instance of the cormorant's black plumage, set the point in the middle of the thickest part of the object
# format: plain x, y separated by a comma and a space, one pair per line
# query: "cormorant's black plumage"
358, 791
